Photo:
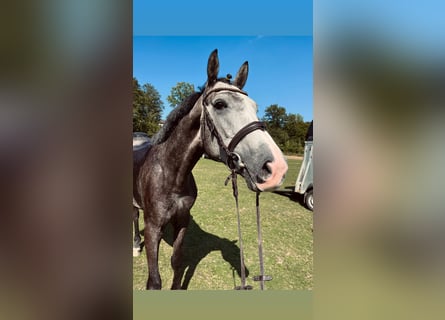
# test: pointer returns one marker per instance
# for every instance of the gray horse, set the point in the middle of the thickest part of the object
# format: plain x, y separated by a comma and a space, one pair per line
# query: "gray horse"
219, 121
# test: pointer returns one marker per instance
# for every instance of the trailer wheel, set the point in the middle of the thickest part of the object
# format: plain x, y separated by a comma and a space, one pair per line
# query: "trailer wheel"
309, 199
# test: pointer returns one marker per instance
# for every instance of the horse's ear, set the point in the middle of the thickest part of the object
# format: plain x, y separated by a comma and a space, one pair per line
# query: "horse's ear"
213, 67
241, 76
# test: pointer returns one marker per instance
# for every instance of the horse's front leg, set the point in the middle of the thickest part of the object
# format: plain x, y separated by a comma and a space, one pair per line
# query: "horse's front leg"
152, 238
137, 241
179, 228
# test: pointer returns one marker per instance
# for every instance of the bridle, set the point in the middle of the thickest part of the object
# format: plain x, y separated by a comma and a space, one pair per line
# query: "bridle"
236, 165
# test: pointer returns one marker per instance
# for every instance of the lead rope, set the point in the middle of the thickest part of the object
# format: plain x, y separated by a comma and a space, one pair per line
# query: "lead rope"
260, 240
262, 277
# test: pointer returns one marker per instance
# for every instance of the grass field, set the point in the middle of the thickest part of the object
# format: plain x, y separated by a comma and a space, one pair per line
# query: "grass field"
211, 249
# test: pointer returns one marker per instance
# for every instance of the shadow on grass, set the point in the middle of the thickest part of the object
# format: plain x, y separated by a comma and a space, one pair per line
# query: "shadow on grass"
291, 194
198, 244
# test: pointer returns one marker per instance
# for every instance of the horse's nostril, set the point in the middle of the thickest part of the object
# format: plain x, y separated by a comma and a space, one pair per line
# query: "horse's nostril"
265, 172
266, 169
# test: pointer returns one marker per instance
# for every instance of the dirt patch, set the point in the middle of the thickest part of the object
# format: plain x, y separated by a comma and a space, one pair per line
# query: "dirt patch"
294, 157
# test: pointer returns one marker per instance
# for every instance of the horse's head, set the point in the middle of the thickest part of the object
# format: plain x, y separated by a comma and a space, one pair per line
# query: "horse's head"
232, 133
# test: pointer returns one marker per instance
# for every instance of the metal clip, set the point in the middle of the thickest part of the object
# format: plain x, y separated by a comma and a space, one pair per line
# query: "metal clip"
262, 278
234, 162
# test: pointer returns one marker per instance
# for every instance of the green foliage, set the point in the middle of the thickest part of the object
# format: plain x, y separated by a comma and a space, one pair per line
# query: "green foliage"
275, 116
179, 92
147, 108
287, 129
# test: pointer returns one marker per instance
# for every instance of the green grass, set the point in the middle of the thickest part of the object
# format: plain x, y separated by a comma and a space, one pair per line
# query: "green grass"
211, 250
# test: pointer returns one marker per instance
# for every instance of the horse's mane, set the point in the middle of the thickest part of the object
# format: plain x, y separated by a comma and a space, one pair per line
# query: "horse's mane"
175, 116
180, 111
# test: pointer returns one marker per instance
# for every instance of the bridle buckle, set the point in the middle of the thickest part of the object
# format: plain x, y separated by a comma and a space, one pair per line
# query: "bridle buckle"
234, 162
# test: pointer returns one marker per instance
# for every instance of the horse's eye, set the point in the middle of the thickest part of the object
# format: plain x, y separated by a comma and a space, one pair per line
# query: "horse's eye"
219, 104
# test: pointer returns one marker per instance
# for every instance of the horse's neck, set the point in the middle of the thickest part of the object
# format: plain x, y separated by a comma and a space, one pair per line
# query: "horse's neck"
184, 148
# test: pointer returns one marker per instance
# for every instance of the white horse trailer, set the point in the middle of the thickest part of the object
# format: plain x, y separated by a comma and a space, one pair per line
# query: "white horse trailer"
305, 180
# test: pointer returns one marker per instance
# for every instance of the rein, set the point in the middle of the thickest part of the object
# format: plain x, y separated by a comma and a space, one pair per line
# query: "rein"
262, 277
235, 164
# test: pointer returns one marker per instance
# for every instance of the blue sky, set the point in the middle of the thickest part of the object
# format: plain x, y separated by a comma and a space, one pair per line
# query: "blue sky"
228, 17
280, 67
172, 40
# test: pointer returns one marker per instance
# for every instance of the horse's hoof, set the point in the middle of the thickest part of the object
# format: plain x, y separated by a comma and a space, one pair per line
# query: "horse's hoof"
136, 252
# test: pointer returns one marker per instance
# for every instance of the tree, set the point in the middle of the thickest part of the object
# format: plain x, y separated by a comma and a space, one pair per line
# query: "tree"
292, 124
296, 128
275, 116
287, 130
147, 108
179, 92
